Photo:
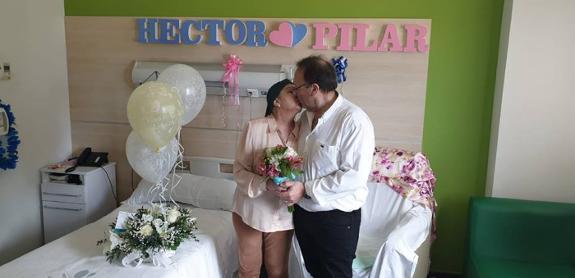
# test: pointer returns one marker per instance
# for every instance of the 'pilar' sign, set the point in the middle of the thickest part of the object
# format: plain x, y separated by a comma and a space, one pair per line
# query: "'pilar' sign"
254, 33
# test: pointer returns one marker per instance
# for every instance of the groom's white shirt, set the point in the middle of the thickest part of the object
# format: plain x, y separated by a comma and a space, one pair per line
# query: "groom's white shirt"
337, 157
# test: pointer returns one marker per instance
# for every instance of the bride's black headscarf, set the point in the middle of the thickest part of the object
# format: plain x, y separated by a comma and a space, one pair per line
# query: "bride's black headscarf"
273, 93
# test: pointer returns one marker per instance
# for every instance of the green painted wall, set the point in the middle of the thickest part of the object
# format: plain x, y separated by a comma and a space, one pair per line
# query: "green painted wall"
463, 59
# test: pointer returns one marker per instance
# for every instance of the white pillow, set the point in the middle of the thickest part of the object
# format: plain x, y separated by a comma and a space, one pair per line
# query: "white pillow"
200, 191
205, 192
144, 194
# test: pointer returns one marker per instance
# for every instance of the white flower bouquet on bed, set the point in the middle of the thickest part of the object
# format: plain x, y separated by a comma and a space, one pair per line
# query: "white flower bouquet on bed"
150, 235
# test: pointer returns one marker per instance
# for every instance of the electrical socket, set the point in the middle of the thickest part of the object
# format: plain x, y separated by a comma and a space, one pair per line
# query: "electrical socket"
5, 71
253, 92
184, 168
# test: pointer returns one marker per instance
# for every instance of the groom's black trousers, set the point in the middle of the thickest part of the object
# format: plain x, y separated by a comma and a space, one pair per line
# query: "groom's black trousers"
328, 240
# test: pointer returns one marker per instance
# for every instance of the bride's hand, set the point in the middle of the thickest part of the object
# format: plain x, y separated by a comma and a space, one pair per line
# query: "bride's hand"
272, 187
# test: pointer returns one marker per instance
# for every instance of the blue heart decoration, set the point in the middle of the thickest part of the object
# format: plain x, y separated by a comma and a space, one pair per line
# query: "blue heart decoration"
299, 31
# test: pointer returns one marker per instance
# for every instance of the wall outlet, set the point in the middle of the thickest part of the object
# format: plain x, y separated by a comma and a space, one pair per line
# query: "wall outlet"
184, 168
5, 71
253, 92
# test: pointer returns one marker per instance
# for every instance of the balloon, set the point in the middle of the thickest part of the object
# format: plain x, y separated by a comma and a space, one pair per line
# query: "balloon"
155, 113
151, 165
191, 88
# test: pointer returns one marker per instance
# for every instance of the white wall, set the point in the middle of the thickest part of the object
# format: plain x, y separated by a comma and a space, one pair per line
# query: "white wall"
533, 133
32, 40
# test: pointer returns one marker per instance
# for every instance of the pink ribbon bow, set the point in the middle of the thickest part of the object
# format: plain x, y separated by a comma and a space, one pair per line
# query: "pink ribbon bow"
231, 78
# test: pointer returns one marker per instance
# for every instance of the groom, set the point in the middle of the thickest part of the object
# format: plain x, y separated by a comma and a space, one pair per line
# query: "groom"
337, 143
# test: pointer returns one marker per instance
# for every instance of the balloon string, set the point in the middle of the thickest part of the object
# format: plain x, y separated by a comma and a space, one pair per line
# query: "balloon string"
176, 178
223, 106
238, 118
171, 181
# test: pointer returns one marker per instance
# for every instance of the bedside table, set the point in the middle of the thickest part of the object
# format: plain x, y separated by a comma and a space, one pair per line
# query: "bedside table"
72, 200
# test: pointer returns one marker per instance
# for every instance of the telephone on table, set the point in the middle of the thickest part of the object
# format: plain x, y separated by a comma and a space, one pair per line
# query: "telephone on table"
90, 159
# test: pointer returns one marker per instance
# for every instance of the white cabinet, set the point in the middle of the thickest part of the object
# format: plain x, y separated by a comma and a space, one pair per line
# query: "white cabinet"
72, 200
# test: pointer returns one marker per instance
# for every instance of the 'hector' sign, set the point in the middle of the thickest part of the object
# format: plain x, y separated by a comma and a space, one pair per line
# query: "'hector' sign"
255, 33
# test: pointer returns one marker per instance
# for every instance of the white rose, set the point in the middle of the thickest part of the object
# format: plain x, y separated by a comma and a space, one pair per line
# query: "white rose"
157, 223
290, 152
146, 230
147, 218
173, 215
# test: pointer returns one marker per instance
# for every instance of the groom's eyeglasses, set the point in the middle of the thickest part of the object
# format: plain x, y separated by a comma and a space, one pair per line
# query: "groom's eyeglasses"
296, 88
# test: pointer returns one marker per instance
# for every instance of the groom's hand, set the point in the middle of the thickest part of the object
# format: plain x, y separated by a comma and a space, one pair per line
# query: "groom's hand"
294, 193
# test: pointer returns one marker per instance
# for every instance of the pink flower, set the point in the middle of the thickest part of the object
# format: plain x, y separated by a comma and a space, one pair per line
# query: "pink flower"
280, 157
296, 162
272, 171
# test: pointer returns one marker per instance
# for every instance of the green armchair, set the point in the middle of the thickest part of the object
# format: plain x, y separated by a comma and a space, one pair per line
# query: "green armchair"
519, 238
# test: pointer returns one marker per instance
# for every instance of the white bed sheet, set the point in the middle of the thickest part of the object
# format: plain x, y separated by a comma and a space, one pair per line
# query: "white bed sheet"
393, 238
77, 255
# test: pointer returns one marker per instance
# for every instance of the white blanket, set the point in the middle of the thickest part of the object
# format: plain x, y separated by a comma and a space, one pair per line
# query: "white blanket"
393, 231
76, 255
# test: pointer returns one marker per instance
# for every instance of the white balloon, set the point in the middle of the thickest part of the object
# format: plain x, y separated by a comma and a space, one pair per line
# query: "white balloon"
150, 165
191, 88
